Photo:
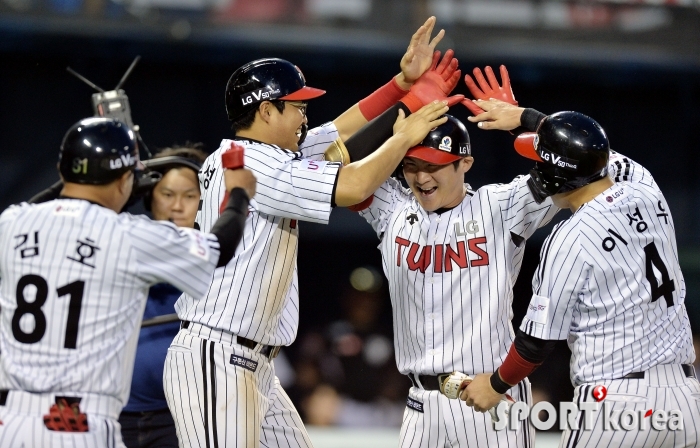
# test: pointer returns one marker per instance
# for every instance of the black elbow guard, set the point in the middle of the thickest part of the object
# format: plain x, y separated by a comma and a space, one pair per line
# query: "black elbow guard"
532, 349
373, 135
229, 227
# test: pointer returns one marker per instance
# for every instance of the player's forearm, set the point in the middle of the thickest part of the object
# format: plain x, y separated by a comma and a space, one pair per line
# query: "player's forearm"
368, 139
357, 181
349, 122
525, 355
230, 225
371, 107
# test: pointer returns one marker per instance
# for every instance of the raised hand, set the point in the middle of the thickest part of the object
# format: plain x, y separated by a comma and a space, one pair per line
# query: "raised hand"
436, 83
496, 115
417, 125
488, 88
419, 54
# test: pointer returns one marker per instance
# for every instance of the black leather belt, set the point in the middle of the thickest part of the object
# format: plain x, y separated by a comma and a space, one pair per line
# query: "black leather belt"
688, 370
270, 351
429, 382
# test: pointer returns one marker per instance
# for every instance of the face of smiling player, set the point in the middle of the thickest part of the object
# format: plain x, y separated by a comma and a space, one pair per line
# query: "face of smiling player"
287, 124
436, 186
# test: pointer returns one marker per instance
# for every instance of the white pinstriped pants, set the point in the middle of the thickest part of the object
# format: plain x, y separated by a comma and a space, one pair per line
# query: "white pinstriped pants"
225, 396
23, 423
664, 387
451, 423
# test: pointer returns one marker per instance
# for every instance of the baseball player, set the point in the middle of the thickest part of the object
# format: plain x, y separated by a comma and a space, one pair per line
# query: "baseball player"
75, 275
609, 283
219, 377
451, 255
145, 420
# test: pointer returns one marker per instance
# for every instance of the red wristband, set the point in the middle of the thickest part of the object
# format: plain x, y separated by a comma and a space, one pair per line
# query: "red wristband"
381, 99
515, 368
412, 102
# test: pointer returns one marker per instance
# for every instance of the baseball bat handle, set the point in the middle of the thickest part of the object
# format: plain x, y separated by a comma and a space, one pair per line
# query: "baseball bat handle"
232, 159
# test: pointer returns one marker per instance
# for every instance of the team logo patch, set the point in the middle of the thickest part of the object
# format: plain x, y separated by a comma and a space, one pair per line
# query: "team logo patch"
313, 166
537, 310
464, 149
71, 210
615, 195
244, 362
414, 404
198, 244
536, 141
446, 144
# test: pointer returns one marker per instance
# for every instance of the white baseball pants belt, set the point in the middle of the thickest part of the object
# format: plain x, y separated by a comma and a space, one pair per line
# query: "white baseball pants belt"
688, 371
269, 351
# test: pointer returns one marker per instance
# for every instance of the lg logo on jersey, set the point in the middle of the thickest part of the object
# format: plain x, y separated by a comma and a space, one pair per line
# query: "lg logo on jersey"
443, 255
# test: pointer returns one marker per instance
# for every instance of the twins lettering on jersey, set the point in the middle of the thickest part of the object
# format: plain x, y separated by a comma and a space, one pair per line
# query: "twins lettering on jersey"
442, 256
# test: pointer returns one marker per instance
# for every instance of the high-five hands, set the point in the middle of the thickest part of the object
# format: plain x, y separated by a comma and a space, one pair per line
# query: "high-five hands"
488, 89
419, 54
436, 83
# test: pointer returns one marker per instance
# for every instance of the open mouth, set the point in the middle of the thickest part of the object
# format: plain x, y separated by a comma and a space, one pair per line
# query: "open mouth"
426, 191
299, 132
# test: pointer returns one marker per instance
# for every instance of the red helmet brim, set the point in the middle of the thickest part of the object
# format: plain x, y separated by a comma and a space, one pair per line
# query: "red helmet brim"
432, 155
303, 94
526, 145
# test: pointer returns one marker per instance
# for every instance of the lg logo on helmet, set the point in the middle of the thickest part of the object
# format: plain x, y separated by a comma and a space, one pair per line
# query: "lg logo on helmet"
560, 161
122, 161
257, 96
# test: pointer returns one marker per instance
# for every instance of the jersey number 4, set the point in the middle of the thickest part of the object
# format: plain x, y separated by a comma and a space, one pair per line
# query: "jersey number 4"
74, 290
667, 285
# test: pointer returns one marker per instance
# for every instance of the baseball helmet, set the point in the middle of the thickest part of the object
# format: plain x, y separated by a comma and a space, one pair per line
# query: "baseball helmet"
571, 150
265, 80
97, 151
444, 144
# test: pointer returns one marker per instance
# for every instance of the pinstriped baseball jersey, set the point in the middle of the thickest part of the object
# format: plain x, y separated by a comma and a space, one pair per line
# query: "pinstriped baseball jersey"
451, 275
256, 294
75, 277
609, 281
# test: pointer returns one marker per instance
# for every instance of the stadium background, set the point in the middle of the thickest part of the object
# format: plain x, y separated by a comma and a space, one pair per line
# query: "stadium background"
632, 65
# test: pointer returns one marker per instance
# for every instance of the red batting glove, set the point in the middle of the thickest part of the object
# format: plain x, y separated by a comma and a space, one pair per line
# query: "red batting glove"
436, 83
488, 89
232, 160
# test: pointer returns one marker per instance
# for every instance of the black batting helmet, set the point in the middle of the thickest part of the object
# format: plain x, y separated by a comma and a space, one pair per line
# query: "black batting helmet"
444, 144
265, 80
571, 150
97, 151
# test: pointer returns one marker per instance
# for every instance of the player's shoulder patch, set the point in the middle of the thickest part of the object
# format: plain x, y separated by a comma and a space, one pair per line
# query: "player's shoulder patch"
199, 247
313, 166
538, 309
69, 208
615, 195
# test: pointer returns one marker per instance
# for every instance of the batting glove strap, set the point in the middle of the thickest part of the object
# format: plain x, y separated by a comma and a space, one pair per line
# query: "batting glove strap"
498, 384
